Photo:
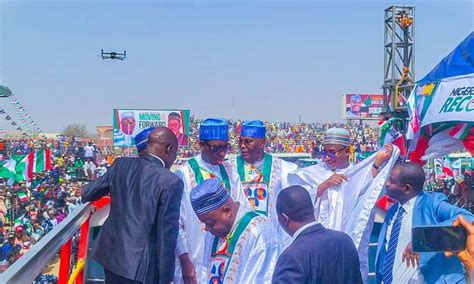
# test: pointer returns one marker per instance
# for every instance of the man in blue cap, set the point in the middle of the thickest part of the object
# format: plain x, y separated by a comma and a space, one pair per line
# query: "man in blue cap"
262, 175
241, 246
344, 194
214, 144
355, 107
141, 141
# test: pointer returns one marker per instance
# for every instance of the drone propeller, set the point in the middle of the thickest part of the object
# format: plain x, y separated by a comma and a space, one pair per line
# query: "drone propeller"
113, 55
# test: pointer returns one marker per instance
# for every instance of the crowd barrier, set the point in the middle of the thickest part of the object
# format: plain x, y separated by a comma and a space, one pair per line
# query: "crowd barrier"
33, 263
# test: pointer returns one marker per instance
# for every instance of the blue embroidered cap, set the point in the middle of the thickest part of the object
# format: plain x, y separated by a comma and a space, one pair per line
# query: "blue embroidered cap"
337, 136
253, 128
356, 98
214, 129
208, 196
141, 139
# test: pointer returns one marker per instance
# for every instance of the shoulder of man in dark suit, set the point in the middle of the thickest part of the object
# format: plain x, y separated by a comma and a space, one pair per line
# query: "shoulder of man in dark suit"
327, 241
315, 240
289, 268
166, 176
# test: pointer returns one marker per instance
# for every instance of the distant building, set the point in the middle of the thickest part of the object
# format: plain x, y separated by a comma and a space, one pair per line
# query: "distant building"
105, 135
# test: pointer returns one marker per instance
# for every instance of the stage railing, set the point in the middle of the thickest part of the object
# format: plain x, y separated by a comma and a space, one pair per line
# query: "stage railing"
33, 263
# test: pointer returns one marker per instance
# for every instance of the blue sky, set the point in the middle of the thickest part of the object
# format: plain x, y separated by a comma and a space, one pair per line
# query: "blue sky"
271, 60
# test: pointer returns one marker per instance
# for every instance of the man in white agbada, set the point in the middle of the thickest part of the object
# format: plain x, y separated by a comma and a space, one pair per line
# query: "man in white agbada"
214, 143
345, 194
241, 246
262, 175
127, 126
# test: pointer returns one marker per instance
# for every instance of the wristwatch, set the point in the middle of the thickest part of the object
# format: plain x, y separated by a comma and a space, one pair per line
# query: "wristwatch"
375, 166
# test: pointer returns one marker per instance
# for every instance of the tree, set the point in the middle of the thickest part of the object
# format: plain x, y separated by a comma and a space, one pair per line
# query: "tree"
78, 130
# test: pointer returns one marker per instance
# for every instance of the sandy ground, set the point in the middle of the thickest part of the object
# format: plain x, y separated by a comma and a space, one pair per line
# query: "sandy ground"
53, 267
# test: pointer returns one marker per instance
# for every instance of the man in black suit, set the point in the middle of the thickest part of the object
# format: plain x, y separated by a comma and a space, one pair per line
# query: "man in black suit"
137, 242
316, 254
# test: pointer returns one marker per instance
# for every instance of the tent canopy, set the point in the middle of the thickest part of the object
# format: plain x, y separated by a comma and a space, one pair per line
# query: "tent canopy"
459, 62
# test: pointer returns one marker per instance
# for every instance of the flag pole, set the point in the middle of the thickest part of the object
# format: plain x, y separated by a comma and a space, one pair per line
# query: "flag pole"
130, 141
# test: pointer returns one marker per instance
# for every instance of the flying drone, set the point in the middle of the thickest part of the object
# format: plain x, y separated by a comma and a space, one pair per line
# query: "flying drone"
113, 55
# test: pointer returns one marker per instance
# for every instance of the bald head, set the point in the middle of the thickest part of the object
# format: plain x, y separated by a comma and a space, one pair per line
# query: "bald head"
295, 202
163, 143
411, 173
162, 135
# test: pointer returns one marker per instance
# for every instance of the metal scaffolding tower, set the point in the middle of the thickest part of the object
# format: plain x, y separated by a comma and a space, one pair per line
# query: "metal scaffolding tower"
399, 59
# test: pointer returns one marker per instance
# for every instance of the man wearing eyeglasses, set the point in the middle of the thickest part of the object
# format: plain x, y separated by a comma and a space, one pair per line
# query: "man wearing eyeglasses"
344, 194
214, 144
262, 175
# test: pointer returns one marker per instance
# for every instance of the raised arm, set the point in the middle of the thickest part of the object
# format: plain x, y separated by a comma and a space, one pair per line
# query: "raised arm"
97, 188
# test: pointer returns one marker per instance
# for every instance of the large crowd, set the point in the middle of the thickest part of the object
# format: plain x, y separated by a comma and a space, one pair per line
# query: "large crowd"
286, 137
29, 209
460, 190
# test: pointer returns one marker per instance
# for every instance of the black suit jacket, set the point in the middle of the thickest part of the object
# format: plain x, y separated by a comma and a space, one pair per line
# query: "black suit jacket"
138, 238
319, 255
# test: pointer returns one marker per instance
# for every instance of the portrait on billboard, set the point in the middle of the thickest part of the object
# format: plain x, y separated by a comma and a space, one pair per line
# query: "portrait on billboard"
362, 106
175, 123
123, 135
355, 106
128, 123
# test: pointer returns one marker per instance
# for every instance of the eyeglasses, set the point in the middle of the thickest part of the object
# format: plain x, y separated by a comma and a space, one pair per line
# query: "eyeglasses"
246, 142
331, 155
216, 149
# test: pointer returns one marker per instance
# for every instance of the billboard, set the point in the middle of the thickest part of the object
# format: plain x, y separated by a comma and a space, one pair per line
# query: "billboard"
129, 122
362, 106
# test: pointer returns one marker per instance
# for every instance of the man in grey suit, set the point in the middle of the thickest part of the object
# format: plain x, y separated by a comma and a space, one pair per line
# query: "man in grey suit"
137, 242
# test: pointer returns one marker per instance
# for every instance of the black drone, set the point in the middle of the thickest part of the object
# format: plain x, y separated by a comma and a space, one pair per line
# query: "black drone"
113, 55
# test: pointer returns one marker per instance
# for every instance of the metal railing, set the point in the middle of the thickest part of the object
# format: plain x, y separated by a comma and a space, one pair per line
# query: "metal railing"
33, 263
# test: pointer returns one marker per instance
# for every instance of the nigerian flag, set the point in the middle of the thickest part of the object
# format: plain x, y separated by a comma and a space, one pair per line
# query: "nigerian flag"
21, 167
34, 162
8, 170
22, 196
390, 135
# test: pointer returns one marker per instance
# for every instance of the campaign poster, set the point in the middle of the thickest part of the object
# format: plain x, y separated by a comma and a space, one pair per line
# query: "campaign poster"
129, 122
362, 106
451, 99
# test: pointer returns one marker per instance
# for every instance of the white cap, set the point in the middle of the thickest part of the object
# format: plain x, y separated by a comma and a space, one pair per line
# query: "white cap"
127, 114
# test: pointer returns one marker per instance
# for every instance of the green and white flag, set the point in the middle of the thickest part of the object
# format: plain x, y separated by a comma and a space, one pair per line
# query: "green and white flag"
22, 197
21, 167
34, 162
8, 170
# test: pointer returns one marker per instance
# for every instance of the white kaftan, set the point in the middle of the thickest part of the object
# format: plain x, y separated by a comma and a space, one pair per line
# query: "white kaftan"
349, 207
191, 234
254, 258
276, 182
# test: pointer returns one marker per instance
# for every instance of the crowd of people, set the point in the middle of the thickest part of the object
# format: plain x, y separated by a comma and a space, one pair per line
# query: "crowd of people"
459, 189
285, 137
31, 208
301, 225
